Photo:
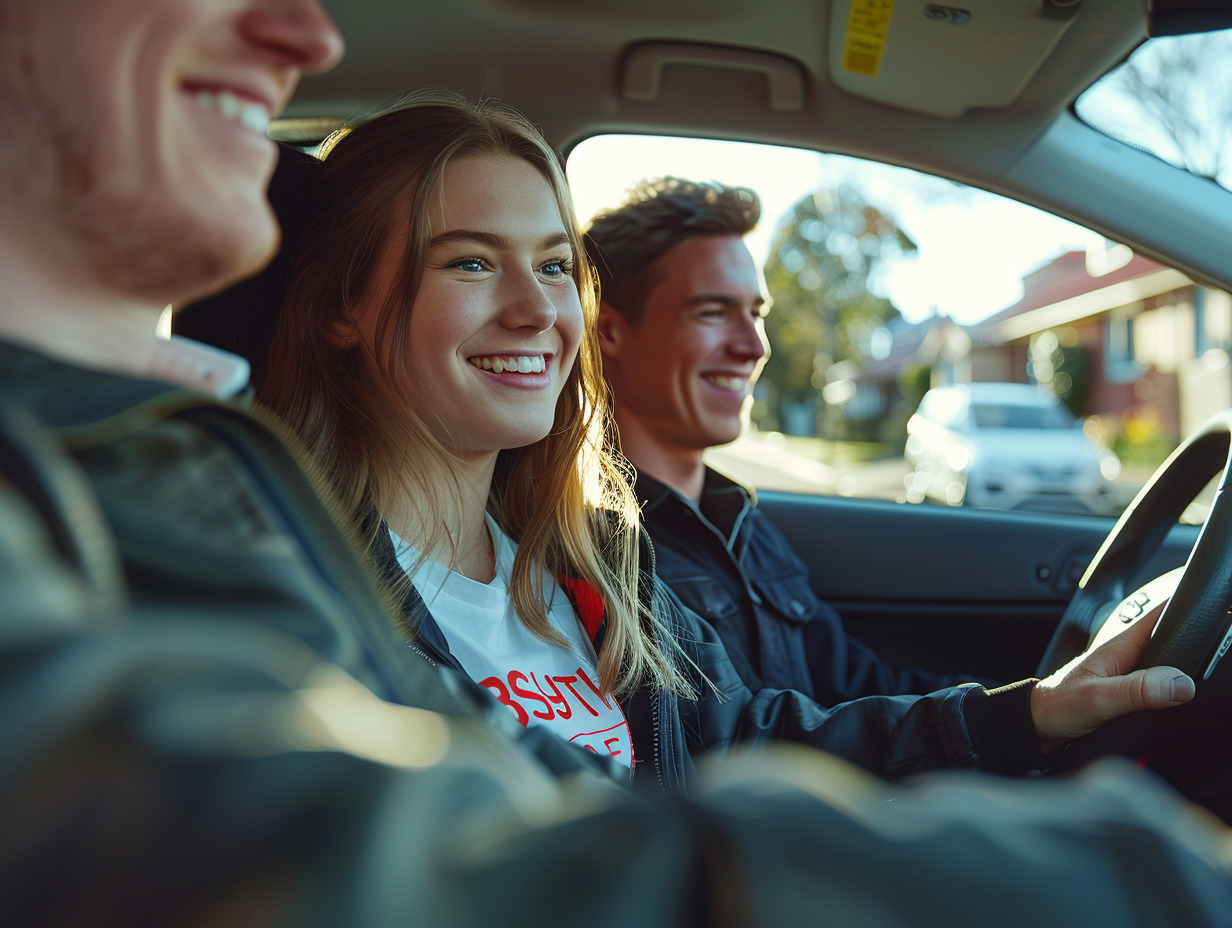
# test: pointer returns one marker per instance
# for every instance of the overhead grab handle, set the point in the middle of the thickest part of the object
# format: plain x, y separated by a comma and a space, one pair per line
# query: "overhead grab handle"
644, 65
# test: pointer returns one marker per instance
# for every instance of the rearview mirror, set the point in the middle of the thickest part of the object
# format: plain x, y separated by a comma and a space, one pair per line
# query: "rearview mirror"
1180, 17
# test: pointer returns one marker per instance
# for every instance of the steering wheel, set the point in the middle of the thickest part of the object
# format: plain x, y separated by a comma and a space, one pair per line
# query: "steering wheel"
1192, 634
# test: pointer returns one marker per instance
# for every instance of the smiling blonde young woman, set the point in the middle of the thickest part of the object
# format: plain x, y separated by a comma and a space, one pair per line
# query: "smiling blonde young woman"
433, 439
436, 351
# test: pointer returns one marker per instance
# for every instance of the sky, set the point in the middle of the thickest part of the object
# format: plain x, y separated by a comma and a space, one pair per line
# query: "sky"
974, 247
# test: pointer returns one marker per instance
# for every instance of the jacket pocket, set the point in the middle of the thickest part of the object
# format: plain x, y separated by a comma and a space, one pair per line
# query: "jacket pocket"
705, 596
790, 596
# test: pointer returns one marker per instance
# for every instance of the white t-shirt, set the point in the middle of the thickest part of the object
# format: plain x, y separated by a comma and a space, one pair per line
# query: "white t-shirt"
540, 683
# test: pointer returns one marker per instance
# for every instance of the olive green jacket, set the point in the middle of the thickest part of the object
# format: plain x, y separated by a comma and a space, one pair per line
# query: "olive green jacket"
190, 733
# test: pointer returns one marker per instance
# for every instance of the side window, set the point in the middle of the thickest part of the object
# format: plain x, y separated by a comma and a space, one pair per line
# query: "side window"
886, 284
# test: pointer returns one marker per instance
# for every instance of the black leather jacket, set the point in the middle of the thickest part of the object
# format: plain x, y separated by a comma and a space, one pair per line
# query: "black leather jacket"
892, 736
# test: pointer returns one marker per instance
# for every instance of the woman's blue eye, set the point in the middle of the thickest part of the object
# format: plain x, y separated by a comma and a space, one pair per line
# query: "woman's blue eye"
557, 268
469, 264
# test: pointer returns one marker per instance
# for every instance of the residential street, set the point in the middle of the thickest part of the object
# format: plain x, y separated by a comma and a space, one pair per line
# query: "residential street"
760, 461
766, 462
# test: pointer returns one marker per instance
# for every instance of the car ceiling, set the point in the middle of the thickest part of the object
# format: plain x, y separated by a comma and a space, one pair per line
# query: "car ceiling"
569, 63
772, 71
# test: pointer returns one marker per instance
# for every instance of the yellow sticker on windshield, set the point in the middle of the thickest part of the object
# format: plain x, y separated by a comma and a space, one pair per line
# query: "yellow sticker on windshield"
867, 28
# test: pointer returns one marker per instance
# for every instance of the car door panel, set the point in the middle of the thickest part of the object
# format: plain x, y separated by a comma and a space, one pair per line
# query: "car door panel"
951, 589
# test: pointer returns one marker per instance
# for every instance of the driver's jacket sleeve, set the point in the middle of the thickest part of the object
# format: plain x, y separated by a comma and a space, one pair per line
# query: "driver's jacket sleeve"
892, 736
741, 573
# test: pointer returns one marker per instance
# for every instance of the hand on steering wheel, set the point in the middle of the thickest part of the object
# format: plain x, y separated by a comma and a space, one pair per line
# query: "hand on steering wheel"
1102, 684
1187, 746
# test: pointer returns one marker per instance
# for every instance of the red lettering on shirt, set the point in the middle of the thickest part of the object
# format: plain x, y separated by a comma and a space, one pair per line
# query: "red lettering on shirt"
552, 703
594, 689
502, 696
559, 700
601, 742
568, 684
514, 677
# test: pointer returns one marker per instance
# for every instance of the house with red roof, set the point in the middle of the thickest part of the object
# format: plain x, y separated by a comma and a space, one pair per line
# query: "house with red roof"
1119, 335
1116, 334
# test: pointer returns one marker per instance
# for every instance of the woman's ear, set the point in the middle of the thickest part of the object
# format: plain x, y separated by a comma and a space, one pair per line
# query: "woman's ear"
341, 334
611, 326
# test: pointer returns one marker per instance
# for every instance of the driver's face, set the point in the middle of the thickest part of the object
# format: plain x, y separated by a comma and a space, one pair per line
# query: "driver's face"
134, 150
698, 349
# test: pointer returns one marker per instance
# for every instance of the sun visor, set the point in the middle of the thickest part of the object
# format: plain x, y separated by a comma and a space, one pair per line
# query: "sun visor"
241, 319
943, 60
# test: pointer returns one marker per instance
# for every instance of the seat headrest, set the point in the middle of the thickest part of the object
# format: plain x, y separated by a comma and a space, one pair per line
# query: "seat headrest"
242, 317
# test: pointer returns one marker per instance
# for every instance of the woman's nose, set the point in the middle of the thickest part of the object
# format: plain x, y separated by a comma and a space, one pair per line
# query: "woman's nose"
526, 304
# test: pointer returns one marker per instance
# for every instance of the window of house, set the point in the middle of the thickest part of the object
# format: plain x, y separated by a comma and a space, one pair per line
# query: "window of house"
1213, 327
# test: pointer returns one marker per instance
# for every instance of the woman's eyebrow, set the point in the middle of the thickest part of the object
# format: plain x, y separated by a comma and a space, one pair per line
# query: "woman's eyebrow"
492, 240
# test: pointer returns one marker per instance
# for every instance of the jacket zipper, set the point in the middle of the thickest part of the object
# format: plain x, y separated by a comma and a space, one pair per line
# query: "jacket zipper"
657, 725
646, 553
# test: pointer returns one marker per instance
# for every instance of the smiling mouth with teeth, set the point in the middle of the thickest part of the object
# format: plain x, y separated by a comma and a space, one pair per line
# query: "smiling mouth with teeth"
513, 364
728, 383
251, 114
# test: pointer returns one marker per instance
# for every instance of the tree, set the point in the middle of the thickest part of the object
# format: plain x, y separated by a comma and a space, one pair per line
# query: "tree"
827, 254
1061, 364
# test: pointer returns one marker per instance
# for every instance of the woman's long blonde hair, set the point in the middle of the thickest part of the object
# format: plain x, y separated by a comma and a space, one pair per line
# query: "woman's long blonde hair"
565, 499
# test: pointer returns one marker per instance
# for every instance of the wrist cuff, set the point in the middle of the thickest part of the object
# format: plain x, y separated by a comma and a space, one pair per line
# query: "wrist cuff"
1001, 728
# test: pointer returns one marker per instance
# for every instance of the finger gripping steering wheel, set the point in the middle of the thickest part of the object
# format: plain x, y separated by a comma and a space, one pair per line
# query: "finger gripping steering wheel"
1191, 633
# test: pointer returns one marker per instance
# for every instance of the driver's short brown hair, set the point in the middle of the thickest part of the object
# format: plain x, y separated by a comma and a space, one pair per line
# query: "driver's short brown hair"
626, 243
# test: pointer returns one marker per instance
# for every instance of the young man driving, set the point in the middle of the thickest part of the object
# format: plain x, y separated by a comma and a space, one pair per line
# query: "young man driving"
681, 331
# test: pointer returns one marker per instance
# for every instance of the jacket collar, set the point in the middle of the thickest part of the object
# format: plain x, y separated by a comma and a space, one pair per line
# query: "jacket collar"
414, 610
585, 598
722, 508
652, 493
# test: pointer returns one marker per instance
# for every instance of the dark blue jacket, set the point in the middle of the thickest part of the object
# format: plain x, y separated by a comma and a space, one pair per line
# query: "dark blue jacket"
729, 563
892, 736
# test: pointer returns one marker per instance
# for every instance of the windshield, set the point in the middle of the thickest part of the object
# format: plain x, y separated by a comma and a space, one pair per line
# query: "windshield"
1002, 416
1172, 97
